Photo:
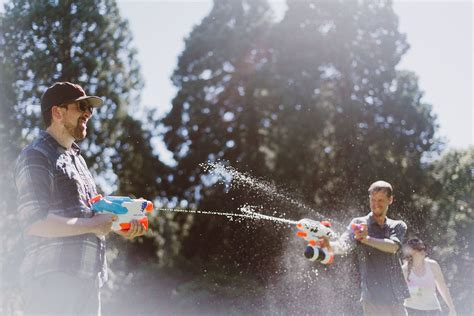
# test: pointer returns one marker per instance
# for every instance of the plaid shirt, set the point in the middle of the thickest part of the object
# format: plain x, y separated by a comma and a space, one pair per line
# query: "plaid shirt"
53, 180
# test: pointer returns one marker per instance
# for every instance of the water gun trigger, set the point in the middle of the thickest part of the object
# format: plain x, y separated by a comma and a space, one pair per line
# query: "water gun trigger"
126, 226
144, 222
95, 198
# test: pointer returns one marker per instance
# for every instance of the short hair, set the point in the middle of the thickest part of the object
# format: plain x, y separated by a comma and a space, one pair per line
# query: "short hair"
381, 186
47, 117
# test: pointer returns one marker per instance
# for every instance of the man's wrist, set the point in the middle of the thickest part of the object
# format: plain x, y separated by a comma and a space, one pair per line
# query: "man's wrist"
86, 225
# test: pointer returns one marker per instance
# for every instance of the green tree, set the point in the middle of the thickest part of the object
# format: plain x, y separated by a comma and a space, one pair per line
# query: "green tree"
449, 228
327, 114
217, 115
357, 117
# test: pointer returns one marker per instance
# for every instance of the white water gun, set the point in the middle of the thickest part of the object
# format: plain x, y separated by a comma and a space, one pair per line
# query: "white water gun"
315, 233
126, 209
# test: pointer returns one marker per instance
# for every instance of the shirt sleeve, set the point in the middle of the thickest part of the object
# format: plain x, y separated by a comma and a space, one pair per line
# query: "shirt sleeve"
34, 181
345, 243
397, 233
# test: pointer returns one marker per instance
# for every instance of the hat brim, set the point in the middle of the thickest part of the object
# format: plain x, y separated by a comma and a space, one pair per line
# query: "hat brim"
92, 100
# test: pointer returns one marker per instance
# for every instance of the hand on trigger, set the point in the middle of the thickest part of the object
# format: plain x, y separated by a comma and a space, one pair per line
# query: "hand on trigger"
360, 234
323, 242
136, 230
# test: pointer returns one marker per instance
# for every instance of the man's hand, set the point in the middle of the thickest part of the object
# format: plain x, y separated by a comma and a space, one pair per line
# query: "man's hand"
323, 242
101, 224
361, 234
136, 229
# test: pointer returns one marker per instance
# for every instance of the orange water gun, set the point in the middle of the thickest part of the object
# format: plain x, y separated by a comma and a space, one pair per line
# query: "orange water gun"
316, 233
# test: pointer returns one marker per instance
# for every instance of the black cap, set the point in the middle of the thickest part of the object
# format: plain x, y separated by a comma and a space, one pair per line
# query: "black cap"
66, 92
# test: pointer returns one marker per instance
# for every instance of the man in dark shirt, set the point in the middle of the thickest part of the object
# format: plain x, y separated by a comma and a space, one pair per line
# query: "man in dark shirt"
376, 240
64, 264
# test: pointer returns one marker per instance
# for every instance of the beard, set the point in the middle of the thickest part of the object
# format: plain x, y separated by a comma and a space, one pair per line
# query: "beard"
78, 130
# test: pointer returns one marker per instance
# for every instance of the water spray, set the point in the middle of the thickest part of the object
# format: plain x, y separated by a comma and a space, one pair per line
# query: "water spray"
228, 174
248, 213
315, 232
237, 178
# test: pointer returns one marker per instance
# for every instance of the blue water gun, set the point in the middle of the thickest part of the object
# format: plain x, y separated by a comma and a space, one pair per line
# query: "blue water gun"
126, 209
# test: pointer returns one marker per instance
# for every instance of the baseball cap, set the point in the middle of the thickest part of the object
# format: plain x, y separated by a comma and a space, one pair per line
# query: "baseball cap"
66, 92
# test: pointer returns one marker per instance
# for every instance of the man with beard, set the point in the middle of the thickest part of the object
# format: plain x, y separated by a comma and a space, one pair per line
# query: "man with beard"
64, 264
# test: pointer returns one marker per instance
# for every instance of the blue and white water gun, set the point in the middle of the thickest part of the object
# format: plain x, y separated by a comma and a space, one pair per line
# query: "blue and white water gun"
126, 209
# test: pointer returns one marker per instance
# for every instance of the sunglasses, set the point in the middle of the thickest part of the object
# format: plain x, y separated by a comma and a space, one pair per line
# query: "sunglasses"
82, 105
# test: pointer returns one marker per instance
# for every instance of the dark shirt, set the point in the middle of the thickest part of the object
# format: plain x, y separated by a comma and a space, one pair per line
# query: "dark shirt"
53, 180
382, 280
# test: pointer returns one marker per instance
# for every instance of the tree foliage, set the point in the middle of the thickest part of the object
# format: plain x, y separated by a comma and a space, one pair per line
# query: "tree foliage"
358, 119
314, 102
86, 43
451, 221
214, 116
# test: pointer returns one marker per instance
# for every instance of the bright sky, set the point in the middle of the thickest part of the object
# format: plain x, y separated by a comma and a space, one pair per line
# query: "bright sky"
440, 34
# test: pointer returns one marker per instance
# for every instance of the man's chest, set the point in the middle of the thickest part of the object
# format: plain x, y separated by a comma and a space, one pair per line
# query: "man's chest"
378, 231
72, 178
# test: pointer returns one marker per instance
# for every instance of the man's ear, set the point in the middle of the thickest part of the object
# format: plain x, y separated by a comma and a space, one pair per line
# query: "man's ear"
56, 113
391, 200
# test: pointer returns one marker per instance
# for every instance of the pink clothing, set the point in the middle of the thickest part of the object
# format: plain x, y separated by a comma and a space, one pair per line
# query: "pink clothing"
422, 290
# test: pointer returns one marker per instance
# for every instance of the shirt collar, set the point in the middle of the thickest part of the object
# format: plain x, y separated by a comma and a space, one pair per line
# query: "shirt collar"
371, 220
75, 149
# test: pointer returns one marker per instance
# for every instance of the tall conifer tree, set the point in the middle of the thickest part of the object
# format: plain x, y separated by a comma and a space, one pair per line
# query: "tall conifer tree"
216, 115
